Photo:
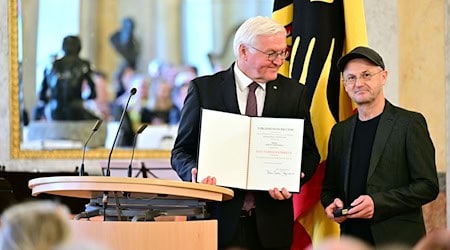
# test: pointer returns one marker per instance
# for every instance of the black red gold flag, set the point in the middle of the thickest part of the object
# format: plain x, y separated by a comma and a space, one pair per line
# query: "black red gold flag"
319, 32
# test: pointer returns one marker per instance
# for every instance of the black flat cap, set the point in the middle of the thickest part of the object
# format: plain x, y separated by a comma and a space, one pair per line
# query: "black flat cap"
360, 52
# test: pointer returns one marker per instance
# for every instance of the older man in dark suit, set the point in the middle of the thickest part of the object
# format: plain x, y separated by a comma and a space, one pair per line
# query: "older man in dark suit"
266, 221
381, 161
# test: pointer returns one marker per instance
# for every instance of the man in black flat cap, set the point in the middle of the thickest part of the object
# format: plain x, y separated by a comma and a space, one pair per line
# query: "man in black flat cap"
381, 161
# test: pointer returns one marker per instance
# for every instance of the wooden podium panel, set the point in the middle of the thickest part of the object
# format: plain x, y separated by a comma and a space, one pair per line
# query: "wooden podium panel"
119, 235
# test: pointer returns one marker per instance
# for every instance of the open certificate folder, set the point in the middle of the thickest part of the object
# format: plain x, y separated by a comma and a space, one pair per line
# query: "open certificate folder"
256, 153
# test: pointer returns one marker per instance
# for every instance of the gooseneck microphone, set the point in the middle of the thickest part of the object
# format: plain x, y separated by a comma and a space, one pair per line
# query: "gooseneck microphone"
108, 168
94, 129
140, 129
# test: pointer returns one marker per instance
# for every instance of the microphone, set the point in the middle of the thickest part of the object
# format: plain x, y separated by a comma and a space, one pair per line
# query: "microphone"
140, 129
94, 129
108, 168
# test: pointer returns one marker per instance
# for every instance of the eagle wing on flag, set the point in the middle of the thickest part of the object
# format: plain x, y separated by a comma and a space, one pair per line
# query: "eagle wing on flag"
319, 32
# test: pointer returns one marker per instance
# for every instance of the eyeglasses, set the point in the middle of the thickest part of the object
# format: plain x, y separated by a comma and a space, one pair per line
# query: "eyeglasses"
350, 80
272, 56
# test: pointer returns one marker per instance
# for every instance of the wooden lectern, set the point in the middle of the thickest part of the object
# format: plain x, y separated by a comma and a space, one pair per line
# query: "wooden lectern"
128, 201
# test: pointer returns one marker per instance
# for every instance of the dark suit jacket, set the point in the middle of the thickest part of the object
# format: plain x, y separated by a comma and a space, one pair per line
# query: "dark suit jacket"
284, 98
402, 173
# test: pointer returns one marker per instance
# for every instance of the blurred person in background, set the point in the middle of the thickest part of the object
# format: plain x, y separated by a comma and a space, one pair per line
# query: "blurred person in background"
160, 107
122, 85
101, 105
139, 102
34, 225
181, 85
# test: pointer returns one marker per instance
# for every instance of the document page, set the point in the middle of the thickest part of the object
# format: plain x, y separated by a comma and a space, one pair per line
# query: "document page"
256, 153
275, 153
223, 151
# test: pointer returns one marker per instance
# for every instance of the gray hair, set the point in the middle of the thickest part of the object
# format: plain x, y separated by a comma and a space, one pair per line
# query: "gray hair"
34, 225
248, 32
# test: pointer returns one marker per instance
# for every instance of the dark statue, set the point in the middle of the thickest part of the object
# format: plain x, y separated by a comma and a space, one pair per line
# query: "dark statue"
61, 89
124, 42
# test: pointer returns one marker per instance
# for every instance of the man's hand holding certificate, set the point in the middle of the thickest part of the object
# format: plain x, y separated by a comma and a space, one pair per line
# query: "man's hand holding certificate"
256, 153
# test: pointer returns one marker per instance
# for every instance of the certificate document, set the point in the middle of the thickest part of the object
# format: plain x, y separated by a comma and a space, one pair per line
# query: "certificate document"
256, 153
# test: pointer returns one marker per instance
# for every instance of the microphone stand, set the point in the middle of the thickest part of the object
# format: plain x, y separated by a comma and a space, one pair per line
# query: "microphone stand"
94, 129
140, 130
108, 168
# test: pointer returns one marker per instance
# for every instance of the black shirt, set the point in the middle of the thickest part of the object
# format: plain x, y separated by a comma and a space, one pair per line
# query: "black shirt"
359, 167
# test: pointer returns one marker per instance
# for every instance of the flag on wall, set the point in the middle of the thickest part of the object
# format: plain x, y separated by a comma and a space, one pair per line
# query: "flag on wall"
319, 32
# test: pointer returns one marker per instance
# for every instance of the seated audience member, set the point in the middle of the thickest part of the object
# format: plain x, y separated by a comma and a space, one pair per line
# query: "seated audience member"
39, 225
123, 78
101, 105
157, 69
179, 92
158, 111
139, 102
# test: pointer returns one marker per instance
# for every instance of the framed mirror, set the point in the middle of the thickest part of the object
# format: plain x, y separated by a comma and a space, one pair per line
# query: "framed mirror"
178, 32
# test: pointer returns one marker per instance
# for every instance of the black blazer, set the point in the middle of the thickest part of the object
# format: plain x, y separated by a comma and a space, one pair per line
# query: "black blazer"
284, 98
402, 173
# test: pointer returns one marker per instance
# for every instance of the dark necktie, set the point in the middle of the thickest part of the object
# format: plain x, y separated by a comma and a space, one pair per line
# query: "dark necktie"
250, 110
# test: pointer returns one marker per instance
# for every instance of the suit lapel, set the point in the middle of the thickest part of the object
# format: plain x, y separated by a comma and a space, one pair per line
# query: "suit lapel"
228, 88
348, 133
384, 129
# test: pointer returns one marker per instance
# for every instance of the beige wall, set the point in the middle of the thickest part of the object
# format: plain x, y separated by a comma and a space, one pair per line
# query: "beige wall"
382, 33
422, 66
410, 35
447, 100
